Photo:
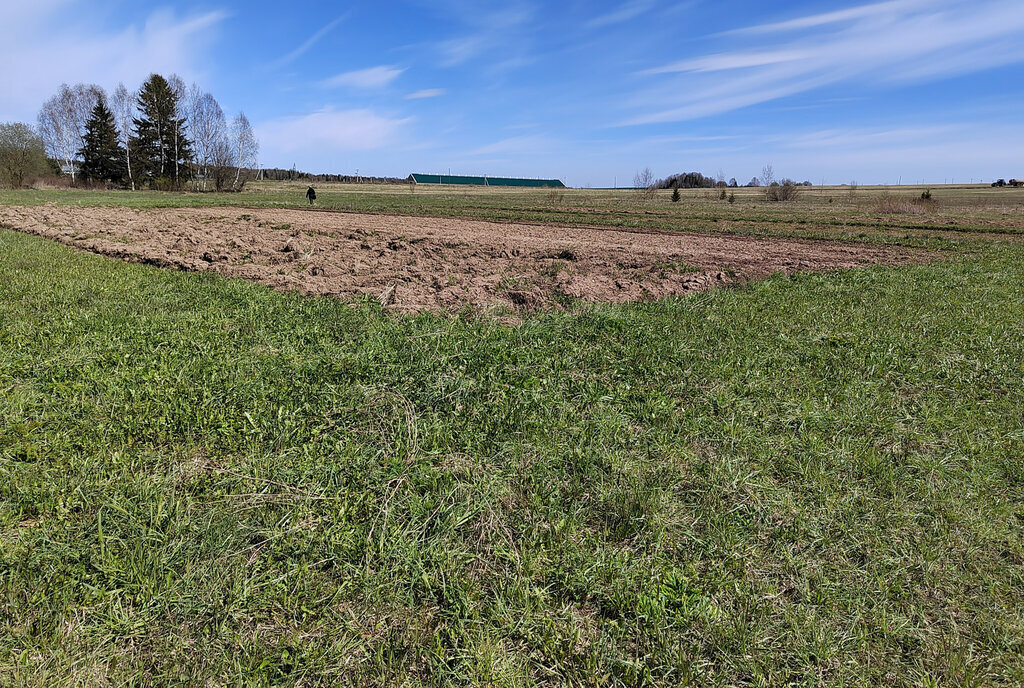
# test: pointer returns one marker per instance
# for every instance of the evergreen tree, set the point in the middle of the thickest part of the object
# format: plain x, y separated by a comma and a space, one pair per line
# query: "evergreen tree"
160, 145
102, 155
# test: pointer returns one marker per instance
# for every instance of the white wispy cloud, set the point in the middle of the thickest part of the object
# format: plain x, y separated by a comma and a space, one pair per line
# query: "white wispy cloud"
457, 51
23, 15
882, 43
312, 40
865, 137
861, 12
663, 140
489, 31
624, 13
329, 129
53, 44
370, 78
426, 93
726, 61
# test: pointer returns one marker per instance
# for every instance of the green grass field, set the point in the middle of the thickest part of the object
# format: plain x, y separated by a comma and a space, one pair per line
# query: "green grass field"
814, 480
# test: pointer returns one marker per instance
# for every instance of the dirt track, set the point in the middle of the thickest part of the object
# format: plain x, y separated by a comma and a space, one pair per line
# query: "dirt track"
434, 263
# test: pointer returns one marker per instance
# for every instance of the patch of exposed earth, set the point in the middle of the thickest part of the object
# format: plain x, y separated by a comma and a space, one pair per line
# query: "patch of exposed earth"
435, 263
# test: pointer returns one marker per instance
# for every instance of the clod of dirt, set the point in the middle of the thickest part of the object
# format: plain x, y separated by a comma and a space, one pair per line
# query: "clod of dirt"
525, 300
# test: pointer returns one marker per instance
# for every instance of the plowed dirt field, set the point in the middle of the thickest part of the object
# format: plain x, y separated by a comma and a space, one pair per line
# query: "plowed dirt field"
435, 263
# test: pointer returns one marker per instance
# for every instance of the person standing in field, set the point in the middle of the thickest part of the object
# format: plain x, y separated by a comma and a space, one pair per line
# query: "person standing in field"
310, 195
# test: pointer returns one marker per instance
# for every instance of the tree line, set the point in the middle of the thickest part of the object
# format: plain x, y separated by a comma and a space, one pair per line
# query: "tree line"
163, 136
696, 180
775, 190
279, 174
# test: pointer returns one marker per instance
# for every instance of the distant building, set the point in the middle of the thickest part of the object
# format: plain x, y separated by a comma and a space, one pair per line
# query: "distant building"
464, 180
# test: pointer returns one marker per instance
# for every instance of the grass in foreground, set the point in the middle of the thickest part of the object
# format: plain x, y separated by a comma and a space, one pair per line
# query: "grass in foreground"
813, 480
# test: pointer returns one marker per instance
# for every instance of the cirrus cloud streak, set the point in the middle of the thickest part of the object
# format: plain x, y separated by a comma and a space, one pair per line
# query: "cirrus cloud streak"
884, 44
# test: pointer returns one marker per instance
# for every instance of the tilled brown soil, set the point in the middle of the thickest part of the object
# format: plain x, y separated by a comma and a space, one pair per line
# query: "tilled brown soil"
435, 263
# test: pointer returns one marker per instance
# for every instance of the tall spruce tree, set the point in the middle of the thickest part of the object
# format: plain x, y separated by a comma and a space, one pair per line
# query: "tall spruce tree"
103, 158
160, 145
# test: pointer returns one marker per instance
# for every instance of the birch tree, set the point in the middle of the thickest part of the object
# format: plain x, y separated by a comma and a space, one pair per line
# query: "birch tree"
177, 85
122, 104
62, 122
209, 130
246, 147
191, 104
222, 160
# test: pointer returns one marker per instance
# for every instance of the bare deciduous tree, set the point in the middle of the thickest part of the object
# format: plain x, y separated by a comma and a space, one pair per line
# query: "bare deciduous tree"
122, 104
246, 147
62, 122
767, 175
209, 130
221, 162
643, 181
192, 97
177, 85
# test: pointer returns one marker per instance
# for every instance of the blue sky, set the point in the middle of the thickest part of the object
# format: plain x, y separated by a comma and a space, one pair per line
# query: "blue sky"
586, 91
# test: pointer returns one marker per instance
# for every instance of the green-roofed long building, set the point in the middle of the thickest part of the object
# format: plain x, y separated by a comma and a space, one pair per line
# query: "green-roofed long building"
464, 180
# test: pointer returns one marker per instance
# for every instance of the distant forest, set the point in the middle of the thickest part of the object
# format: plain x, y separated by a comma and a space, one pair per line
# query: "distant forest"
280, 175
696, 180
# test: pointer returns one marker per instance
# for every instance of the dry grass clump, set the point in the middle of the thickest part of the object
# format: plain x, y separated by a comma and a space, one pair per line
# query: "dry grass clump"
555, 196
786, 191
894, 205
